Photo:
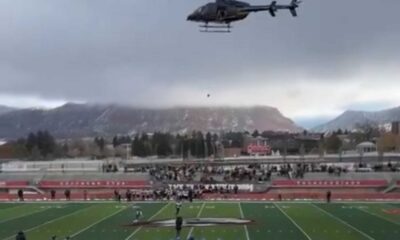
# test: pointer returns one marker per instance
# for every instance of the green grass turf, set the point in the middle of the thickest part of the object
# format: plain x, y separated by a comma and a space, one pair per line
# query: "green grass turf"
359, 217
14, 212
270, 223
8, 205
220, 210
284, 220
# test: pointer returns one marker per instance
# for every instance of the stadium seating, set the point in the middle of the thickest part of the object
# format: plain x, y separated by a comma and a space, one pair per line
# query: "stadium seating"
79, 165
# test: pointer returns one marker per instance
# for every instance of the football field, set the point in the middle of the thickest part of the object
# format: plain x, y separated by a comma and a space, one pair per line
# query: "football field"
204, 221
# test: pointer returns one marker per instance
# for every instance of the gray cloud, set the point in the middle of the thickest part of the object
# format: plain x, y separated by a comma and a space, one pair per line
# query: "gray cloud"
144, 52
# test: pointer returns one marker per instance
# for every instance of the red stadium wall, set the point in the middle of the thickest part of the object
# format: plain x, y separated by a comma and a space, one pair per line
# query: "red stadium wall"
103, 184
14, 184
329, 183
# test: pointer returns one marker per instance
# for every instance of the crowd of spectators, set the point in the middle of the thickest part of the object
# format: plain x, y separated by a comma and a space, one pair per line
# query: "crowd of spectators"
208, 174
172, 192
171, 173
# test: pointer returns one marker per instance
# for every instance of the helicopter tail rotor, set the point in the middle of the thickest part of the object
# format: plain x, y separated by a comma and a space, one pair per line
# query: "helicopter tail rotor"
272, 9
293, 6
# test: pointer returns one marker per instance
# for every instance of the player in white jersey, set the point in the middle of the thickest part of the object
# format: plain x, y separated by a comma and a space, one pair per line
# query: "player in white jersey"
178, 206
138, 213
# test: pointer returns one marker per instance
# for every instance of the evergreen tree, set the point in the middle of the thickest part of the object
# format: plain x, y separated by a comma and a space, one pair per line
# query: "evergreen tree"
193, 145
40, 141
200, 145
333, 143
48, 145
100, 143
209, 144
185, 146
163, 145
138, 147
255, 133
31, 142
35, 153
41, 144
115, 141
145, 142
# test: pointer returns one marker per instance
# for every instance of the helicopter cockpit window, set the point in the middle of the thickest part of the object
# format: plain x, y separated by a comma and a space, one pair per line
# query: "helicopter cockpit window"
200, 10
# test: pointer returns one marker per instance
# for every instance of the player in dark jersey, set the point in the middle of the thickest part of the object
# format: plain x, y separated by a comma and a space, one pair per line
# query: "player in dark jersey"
328, 196
20, 236
178, 226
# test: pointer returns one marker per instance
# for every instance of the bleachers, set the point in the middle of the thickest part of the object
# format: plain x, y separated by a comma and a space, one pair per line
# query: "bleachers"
78, 165
346, 176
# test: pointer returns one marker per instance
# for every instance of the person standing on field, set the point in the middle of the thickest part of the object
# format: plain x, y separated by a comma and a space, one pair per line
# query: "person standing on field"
328, 196
178, 206
20, 236
53, 194
178, 227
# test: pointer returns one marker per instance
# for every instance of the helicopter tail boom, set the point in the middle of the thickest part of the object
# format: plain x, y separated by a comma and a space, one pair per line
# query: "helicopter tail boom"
274, 7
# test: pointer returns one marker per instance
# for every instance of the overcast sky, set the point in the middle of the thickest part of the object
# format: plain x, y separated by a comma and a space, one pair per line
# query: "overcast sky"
336, 55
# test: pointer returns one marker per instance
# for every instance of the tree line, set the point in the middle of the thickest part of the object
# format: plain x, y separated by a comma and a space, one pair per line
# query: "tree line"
37, 145
41, 145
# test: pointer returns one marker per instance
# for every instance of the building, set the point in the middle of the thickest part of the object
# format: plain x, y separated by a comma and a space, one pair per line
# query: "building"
366, 147
388, 142
256, 146
232, 152
258, 150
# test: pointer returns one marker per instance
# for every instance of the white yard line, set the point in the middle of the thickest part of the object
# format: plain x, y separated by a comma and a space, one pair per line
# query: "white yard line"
97, 222
344, 222
198, 215
151, 218
301, 229
378, 216
51, 221
25, 215
242, 216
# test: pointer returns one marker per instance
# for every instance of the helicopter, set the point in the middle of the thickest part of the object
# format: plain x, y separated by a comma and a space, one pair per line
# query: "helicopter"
223, 12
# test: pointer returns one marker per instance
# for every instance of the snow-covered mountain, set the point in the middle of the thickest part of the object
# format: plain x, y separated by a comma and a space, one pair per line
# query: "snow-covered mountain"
5, 109
81, 120
349, 119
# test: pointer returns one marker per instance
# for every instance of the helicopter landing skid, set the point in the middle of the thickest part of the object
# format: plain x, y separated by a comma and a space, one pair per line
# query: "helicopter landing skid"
215, 28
